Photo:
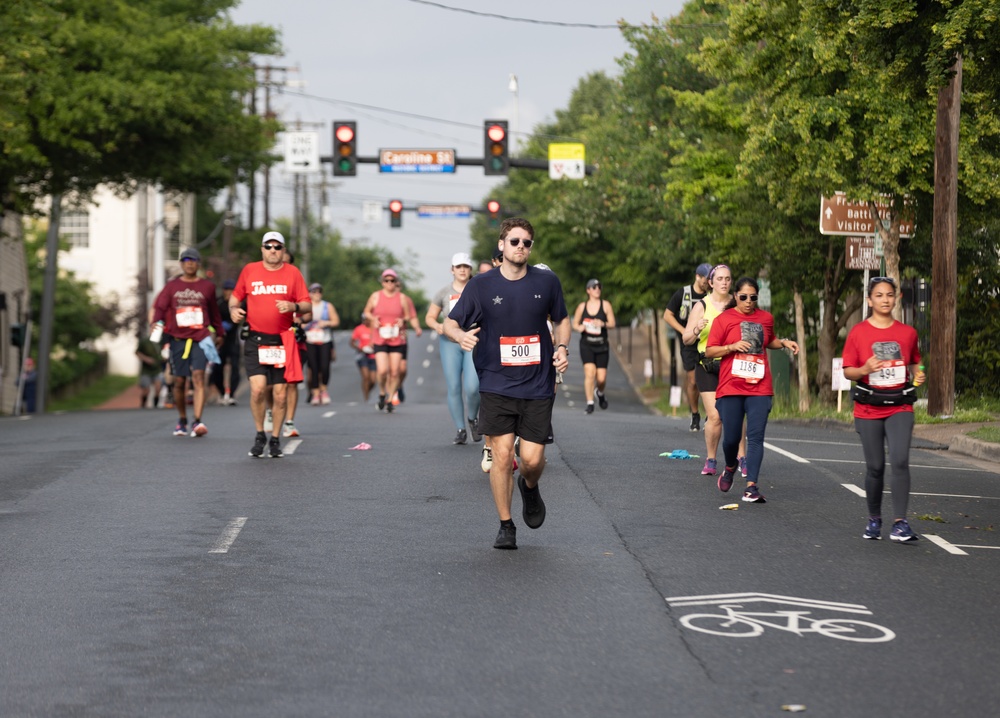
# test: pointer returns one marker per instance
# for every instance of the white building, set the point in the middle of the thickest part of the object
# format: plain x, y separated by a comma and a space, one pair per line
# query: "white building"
116, 244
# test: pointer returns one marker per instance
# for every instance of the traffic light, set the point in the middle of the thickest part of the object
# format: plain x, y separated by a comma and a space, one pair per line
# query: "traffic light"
345, 149
493, 210
495, 159
395, 214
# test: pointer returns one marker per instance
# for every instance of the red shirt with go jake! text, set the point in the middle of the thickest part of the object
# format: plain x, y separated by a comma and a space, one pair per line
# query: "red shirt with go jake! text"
262, 288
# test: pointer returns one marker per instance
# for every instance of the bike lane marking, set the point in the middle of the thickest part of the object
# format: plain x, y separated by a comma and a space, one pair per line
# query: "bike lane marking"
291, 446
229, 535
947, 546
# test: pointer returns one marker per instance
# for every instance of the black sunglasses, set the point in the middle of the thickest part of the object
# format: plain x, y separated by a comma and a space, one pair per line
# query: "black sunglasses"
274, 247
516, 241
390, 280
744, 297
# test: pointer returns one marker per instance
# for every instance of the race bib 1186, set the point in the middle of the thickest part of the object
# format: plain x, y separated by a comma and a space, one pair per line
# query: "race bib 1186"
749, 367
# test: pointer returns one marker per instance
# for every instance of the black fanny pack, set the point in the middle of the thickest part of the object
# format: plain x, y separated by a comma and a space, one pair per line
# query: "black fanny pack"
597, 339
264, 340
873, 396
711, 366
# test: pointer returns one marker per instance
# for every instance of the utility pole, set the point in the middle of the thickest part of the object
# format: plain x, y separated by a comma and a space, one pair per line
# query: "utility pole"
267, 83
944, 250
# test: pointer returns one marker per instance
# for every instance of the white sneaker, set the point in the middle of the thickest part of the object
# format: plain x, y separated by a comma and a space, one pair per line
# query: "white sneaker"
290, 430
268, 422
487, 462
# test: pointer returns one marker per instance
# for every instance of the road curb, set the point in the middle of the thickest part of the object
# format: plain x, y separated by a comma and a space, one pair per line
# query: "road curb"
985, 450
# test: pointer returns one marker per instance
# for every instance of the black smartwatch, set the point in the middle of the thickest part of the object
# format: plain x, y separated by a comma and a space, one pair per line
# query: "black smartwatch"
564, 347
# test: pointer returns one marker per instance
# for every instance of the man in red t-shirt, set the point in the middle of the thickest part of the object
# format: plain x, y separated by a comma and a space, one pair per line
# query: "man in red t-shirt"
186, 305
274, 291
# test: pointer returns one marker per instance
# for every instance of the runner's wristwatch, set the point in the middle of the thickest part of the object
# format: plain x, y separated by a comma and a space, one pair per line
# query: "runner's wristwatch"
564, 347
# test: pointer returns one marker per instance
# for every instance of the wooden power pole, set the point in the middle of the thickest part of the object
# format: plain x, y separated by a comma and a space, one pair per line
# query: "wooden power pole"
944, 255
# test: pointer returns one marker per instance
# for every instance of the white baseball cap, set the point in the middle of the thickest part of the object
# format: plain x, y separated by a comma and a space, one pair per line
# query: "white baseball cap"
461, 259
276, 236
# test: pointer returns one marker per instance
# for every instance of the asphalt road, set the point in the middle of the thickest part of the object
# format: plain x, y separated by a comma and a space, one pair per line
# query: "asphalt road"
143, 574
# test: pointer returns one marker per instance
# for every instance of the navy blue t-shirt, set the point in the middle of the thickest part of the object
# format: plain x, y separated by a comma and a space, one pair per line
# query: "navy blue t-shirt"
514, 354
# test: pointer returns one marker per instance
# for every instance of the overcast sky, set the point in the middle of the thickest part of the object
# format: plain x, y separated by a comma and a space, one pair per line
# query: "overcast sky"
416, 74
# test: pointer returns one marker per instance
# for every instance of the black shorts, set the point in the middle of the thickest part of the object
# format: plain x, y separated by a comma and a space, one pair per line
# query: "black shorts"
705, 381
185, 357
594, 353
689, 357
386, 349
251, 361
531, 419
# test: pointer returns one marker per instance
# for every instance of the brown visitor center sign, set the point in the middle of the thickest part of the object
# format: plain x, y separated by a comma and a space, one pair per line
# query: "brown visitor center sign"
839, 216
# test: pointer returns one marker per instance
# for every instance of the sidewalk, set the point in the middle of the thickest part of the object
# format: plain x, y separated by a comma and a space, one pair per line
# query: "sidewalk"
941, 437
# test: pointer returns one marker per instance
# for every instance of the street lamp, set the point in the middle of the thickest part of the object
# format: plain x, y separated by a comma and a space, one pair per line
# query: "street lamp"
512, 86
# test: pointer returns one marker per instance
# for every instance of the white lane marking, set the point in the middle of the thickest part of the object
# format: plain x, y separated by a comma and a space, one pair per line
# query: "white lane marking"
814, 441
789, 454
291, 446
328, 414
426, 363
229, 535
430, 348
861, 492
949, 547
912, 466
420, 381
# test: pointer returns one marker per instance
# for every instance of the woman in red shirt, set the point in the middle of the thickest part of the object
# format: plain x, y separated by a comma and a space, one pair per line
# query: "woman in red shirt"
739, 337
878, 354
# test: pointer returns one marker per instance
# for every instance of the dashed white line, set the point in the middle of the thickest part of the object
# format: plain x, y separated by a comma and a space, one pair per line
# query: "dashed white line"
949, 547
328, 414
291, 446
229, 535
854, 489
426, 363
789, 454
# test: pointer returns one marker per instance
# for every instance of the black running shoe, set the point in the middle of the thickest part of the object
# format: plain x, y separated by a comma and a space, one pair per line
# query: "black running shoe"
461, 437
589, 409
696, 422
401, 394
259, 442
274, 448
533, 509
474, 430
506, 538
381, 402
602, 400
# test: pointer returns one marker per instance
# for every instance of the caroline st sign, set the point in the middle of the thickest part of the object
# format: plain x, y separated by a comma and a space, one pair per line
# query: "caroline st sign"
437, 161
839, 216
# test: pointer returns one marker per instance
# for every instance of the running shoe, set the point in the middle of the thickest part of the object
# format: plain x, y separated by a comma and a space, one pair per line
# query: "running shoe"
390, 407
506, 538
198, 429
259, 442
181, 429
268, 421
602, 400
381, 402
314, 400
487, 462
474, 430
589, 409
901, 531
274, 448
726, 479
533, 508
696, 422
401, 395
752, 495
461, 437
743, 466
395, 400
873, 530
289, 430
709, 468
324, 397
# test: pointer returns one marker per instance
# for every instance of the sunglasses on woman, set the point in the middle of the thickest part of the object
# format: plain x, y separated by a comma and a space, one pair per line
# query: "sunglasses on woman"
744, 297
516, 241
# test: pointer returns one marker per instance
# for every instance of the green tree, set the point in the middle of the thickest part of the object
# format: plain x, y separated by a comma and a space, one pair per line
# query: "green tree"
121, 92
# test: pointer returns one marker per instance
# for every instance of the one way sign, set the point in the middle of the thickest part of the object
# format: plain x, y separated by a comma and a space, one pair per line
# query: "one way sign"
302, 152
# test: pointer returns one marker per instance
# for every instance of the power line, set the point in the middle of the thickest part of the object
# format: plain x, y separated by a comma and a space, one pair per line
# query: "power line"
588, 26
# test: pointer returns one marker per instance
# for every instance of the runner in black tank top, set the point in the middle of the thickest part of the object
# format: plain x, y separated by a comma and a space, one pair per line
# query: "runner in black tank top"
592, 319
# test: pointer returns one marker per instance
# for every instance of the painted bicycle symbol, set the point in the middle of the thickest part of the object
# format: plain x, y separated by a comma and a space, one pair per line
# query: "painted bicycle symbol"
737, 622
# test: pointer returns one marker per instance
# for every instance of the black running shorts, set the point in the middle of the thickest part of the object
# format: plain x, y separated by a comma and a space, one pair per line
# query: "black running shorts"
531, 419
689, 357
597, 354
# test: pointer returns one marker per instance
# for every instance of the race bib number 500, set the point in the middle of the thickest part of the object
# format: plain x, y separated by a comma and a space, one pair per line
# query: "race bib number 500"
520, 351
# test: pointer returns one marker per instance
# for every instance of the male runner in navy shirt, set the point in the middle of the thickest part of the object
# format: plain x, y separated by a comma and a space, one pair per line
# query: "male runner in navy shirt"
503, 315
